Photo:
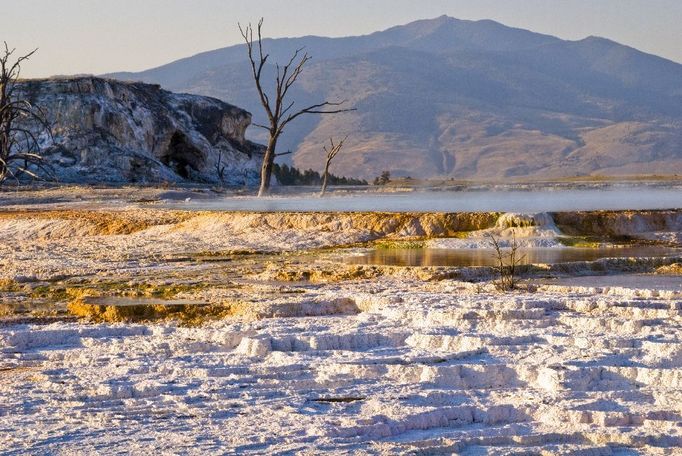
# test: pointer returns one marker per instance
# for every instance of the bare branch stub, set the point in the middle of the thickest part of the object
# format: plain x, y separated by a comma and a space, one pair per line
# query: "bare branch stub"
279, 110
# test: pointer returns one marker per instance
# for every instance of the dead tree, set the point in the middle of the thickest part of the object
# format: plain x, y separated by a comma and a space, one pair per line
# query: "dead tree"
21, 124
279, 110
333, 150
507, 262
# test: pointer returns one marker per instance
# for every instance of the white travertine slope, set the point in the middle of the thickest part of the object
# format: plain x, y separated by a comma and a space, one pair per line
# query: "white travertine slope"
416, 367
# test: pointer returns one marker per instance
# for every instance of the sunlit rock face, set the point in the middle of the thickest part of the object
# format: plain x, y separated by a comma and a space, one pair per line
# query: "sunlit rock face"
111, 131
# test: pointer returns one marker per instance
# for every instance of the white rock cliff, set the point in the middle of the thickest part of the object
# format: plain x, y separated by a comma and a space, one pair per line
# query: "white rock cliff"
112, 131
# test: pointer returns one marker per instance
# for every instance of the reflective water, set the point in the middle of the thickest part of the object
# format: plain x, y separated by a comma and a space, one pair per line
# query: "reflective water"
485, 257
537, 200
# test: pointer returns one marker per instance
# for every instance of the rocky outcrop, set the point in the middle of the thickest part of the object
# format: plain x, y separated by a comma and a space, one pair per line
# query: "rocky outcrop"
112, 131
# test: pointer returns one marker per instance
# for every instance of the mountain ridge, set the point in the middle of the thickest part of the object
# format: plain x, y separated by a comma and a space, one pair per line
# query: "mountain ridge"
466, 99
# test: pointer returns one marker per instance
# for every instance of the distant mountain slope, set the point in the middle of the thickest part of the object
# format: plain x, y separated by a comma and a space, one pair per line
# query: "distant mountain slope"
480, 100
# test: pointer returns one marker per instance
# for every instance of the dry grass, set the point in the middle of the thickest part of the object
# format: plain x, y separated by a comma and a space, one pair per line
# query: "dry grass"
187, 312
9, 286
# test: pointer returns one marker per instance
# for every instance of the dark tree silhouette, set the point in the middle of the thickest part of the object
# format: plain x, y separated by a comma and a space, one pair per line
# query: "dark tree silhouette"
21, 124
288, 175
279, 110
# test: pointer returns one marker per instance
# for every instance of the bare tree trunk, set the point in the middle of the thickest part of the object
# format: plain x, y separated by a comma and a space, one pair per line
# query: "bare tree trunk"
5, 120
3, 170
331, 153
266, 167
325, 176
4, 140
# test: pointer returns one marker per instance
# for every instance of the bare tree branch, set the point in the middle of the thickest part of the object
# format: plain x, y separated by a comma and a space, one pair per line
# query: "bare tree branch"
261, 126
316, 109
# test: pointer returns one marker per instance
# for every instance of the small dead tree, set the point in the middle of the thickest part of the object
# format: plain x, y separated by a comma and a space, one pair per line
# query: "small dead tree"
279, 110
507, 262
21, 123
220, 168
332, 151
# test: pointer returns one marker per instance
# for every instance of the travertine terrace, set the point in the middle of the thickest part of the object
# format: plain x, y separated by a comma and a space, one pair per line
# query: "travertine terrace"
289, 349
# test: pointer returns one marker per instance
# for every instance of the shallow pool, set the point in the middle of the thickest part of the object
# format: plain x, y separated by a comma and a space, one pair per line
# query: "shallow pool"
485, 257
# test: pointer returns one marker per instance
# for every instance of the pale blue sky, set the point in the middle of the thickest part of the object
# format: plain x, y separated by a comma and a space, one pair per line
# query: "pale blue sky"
97, 36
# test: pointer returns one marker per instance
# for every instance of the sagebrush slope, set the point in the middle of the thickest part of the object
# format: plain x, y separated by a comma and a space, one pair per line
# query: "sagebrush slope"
446, 97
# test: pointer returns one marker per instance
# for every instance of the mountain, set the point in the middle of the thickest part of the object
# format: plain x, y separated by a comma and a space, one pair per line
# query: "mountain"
111, 131
464, 99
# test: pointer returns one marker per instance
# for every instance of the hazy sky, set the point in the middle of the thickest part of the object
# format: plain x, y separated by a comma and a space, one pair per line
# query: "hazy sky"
97, 36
